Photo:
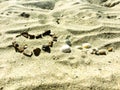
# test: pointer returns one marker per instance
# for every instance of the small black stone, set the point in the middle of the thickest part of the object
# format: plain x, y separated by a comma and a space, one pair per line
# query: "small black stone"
37, 51
46, 48
38, 36
25, 15
46, 33
31, 36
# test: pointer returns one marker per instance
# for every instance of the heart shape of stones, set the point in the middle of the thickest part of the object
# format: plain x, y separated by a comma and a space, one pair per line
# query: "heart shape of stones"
36, 51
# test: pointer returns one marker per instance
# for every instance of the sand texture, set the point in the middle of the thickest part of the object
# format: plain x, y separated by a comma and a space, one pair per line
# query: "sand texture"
96, 22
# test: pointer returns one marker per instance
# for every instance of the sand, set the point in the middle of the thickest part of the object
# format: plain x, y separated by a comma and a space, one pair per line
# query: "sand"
86, 21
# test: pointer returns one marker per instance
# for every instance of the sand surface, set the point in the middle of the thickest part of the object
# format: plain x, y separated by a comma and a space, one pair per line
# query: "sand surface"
86, 21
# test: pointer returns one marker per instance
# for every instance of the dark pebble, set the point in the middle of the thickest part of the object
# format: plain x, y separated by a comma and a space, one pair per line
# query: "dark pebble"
37, 51
46, 48
31, 36
25, 15
46, 33
38, 36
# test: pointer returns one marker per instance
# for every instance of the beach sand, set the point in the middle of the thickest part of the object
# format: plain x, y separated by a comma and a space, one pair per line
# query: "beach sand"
86, 21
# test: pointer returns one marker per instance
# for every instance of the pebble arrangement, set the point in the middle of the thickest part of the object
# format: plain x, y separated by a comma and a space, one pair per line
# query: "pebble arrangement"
95, 51
86, 47
36, 51
66, 48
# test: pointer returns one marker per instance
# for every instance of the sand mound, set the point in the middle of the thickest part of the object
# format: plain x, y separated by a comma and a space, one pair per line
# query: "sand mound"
84, 21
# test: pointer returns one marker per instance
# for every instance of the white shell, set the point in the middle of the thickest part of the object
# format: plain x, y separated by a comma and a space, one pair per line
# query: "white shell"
65, 49
86, 45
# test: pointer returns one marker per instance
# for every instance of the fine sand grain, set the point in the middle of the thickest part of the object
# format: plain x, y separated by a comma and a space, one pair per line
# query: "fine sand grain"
96, 22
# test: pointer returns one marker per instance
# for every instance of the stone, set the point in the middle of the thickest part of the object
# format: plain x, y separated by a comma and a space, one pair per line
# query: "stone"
101, 52
39, 36
65, 49
25, 15
46, 48
86, 45
68, 42
37, 51
31, 36
110, 49
46, 33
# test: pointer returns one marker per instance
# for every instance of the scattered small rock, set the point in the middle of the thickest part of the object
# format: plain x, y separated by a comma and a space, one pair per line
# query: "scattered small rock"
46, 33
25, 15
31, 36
37, 51
39, 36
101, 52
65, 49
110, 49
46, 48
86, 45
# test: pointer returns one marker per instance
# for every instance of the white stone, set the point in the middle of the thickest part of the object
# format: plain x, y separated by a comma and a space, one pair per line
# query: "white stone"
65, 49
102, 52
86, 45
